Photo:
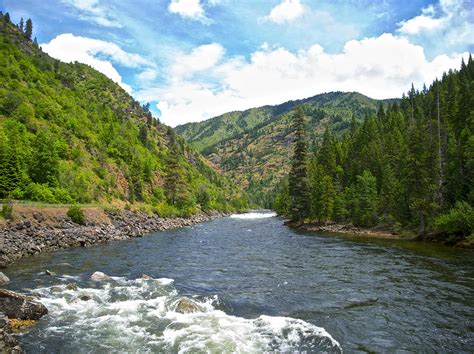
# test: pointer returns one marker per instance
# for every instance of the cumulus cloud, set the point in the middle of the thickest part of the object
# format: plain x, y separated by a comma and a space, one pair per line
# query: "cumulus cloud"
92, 11
286, 11
191, 9
96, 53
201, 58
446, 26
379, 67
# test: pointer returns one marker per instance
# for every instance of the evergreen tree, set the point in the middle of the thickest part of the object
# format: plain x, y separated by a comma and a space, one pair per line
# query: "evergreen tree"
298, 178
10, 175
44, 166
175, 185
365, 200
21, 25
29, 29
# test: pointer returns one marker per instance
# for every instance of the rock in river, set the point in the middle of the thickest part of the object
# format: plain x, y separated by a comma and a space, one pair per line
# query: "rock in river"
185, 305
3, 279
20, 306
99, 276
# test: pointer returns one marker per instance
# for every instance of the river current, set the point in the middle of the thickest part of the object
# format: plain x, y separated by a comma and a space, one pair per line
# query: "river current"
254, 286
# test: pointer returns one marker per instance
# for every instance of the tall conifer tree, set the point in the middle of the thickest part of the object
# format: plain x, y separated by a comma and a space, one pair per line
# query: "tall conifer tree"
298, 178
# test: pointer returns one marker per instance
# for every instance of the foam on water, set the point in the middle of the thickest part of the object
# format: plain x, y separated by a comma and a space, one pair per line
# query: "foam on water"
254, 215
144, 315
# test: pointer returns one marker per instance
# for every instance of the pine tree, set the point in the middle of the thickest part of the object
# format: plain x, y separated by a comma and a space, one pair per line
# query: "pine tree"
44, 166
175, 185
21, 25
10, 175
298, 178
366, 201
29, 29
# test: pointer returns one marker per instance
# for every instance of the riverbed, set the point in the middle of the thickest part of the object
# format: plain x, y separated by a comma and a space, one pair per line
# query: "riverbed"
255, 286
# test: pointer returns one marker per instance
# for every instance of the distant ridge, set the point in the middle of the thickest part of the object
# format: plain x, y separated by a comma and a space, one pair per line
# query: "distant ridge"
251, 146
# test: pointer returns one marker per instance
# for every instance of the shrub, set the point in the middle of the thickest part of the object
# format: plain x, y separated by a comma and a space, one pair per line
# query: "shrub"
39, 193
459, 220
62, 196
203, 198
188, 211
165, 210
76, 214
7, 210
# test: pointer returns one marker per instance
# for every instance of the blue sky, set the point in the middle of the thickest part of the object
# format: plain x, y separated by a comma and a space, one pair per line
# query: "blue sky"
194, 59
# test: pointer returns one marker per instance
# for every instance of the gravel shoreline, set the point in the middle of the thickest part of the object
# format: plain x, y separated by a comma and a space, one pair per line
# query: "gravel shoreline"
35, 232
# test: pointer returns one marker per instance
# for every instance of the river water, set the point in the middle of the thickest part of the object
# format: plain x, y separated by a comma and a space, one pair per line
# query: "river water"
256, 286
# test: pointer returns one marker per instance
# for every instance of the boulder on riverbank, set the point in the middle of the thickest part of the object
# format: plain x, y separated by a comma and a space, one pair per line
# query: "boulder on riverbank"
8, 341
20, 307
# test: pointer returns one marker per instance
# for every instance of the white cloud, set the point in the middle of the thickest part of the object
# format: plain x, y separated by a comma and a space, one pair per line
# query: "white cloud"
379, 67
446, 27
96, 53
191, 9
200, 59
286, 11
148, 74
92, 11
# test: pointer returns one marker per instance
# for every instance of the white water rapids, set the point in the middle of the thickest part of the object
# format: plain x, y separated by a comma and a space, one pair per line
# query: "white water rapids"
143, 315
254, 215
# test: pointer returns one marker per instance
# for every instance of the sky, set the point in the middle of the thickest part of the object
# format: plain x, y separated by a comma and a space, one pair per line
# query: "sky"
195, 59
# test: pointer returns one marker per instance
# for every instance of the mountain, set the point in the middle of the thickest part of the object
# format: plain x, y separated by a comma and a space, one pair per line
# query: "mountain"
252, 147
69, 134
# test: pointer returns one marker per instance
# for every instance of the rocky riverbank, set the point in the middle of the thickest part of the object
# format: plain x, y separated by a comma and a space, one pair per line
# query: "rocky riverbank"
38, 230
384, 232
348, 229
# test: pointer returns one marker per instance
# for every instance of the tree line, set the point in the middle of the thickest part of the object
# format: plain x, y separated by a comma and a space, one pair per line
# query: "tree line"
410, 166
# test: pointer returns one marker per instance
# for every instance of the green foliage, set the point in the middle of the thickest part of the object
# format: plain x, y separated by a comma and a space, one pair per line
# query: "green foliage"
251, 147
203, 198
28, 29
70, 134
298, 177
76, 214
411, 165
365, 200
458, 221
165, 210
282, 200
7, 210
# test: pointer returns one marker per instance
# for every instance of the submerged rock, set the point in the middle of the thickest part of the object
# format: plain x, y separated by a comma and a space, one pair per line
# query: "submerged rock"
146, 277
186, 305
71, 286
3, 279
99, 276
48, 272
20, 306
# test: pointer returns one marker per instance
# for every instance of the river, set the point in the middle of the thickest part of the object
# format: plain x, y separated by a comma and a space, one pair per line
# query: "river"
258, 286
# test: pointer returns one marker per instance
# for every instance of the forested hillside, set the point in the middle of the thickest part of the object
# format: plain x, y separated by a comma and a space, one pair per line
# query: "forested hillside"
253, 147
409, 166
69, 134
